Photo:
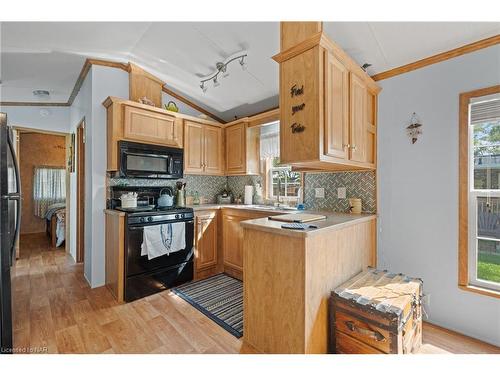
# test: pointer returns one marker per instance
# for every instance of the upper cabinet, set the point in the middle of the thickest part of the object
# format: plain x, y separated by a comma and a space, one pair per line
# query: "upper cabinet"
337, 108
203, 149
328, 104
143, 125
242, 148
213, 150
132, 121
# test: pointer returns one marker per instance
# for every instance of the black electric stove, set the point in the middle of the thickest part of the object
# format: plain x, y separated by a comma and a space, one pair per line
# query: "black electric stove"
144, 277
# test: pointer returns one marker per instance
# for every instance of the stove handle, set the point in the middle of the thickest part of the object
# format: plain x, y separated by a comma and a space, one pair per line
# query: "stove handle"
148, 224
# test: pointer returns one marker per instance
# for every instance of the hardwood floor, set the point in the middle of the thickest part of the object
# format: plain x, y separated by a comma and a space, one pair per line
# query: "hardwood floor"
56, 311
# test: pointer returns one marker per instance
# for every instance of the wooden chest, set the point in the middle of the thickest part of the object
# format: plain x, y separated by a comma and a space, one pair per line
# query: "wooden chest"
376, 312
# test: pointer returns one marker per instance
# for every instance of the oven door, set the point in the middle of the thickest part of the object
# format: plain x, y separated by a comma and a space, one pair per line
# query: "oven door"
135, 164
138, 264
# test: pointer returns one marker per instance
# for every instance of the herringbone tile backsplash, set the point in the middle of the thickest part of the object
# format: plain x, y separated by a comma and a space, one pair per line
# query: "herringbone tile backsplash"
206, 186
358, 185
237, 184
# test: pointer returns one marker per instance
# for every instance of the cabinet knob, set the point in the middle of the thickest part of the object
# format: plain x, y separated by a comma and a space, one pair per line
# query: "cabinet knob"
353, 147
347, 145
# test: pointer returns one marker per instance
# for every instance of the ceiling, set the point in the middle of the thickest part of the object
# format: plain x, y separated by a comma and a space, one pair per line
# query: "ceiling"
50, 55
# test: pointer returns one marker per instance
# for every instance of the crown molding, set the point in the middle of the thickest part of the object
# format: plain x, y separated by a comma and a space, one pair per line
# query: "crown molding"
316, 39
34, 104
127, 67
468, 48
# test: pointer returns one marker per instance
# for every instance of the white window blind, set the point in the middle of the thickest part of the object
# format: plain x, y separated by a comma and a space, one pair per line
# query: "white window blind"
270, 141
49, 187
485, 110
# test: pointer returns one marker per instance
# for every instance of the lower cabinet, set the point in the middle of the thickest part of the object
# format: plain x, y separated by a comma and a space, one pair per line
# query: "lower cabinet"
219, 241
232, 238
232, 243
115, 253
206, 243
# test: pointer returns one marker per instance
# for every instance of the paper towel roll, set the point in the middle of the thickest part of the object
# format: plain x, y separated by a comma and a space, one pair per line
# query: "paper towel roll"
248, 194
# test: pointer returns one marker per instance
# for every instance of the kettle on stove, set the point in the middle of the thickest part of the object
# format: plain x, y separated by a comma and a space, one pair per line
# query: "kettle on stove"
166, 200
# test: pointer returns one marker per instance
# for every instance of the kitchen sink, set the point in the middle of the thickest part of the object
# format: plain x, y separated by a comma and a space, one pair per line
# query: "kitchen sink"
272, 208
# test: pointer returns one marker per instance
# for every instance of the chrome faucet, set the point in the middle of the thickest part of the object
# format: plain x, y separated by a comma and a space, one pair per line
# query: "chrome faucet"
279, 193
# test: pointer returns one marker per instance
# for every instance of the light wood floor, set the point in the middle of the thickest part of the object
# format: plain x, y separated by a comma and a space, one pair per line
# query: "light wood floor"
55, 311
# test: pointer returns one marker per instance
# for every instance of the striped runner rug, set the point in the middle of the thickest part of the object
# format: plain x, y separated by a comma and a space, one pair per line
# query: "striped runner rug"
219, 297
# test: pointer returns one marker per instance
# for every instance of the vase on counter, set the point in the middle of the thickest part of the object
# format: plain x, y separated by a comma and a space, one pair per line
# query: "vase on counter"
180, 198
181, 188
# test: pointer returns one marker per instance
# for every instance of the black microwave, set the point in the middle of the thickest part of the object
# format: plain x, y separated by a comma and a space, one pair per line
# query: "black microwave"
139, 160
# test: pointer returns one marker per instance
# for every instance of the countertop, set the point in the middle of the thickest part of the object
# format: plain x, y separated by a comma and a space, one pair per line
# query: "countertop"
251, 207
215, 206
114, 212
333, 221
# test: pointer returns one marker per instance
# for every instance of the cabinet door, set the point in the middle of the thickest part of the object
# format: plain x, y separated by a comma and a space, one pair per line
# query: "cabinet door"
236, 149
147, 126
358, 125
233, 241
371, 123
178, 136
206, 240
337, 107
214, 152
193, 147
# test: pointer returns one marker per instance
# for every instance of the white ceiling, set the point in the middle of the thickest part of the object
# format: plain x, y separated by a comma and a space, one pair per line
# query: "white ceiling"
45, 55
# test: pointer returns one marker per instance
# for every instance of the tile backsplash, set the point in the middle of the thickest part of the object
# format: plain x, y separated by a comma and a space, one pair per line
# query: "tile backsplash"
237, 184
206, 186
358, 185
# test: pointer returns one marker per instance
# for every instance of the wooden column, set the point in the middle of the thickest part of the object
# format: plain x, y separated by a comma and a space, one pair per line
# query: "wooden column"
142, 83
293, 33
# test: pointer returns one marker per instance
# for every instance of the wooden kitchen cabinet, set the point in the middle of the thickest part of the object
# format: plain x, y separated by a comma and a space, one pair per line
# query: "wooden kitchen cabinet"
337, 108
232, 238
203, 149
193, 148
328, 108
213, 150
132, 121
232, 241
357, 100
206, 242
242, 148
143, 125
115, 253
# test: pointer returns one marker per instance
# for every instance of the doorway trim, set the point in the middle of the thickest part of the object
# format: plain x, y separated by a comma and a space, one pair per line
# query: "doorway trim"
80, 191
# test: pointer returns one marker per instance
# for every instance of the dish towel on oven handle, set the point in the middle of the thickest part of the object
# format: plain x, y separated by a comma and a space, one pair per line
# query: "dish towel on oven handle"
163, 239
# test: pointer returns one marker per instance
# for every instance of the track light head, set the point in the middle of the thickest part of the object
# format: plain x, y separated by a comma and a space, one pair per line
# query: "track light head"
243, 64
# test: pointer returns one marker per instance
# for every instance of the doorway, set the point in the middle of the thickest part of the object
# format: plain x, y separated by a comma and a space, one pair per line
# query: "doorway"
42, 157
80, 192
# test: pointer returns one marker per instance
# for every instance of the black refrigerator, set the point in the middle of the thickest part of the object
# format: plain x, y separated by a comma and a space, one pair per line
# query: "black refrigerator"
10, 215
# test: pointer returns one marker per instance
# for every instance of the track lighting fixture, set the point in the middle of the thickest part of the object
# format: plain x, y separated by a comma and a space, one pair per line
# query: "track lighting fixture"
221, 67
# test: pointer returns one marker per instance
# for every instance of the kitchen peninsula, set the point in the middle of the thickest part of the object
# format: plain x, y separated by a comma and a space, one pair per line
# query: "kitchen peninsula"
288, 276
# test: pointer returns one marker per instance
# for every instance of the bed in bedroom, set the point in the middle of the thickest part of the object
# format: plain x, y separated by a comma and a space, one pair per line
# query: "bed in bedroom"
56, 218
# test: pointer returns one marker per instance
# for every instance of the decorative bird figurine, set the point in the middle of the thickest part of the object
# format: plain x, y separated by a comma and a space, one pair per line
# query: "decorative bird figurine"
365, 66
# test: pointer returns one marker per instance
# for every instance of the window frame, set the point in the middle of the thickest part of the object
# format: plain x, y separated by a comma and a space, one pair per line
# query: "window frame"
269, 179
467, 261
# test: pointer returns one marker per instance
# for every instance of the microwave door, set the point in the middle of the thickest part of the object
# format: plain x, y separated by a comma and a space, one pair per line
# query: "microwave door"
144, 165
